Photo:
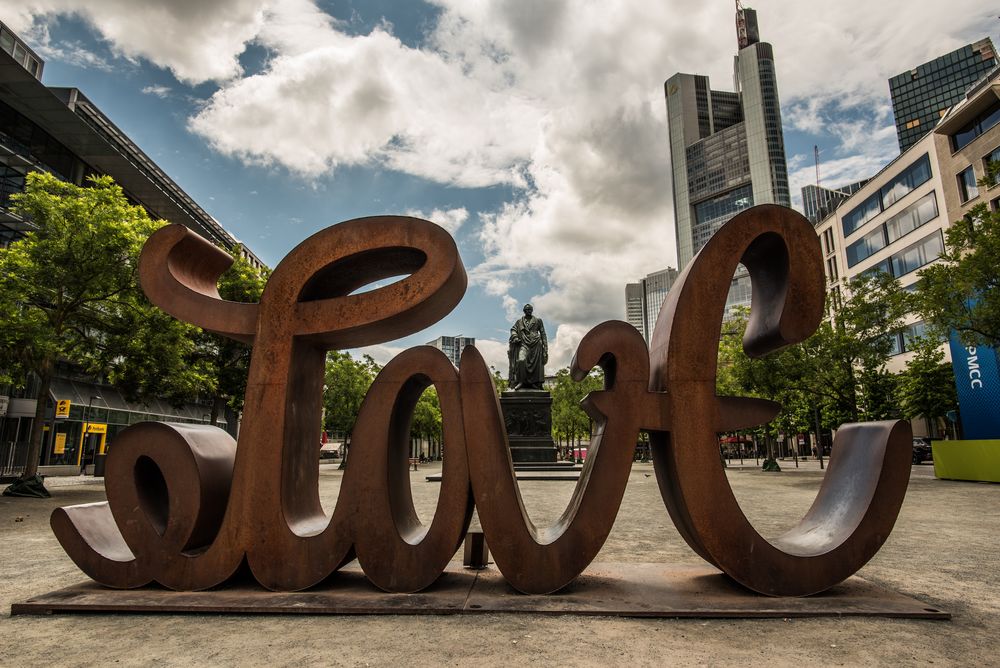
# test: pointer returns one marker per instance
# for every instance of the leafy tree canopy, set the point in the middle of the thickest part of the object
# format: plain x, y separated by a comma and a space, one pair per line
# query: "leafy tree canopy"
961, 291
69, 294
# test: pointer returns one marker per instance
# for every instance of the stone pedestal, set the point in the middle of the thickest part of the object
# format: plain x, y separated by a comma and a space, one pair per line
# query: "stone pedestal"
528, 416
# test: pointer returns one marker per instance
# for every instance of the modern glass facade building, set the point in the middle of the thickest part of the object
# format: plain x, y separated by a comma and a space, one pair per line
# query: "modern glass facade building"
819, 202
644, 299
922, 95
60, 131
727, 149
452, 346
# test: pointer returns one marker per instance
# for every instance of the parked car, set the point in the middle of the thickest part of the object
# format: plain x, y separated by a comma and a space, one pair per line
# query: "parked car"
329, 450
922, 450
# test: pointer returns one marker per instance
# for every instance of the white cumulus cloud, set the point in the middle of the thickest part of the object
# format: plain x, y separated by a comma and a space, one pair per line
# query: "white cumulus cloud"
561, 101
449, 219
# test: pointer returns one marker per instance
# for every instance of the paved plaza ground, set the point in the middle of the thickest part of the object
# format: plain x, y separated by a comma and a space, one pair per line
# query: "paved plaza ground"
945, 550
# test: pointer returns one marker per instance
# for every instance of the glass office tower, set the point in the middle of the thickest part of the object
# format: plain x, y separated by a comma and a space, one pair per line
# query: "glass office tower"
922, 95
727, 149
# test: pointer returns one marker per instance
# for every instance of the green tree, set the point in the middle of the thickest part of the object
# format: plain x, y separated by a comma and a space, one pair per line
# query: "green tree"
961, 292
927, 387
229, 360
569, 421
500, 383
68, 293
427, 423
347, 381
839, 370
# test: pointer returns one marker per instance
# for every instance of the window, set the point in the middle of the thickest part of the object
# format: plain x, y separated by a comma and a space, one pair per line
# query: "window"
861, 215
906, 181
884, 266
991, 167
828, 246
901, 185
919, 213
917, 255
897, 346
967, 188
912, 333
976, 127
6, 42
866, 246
832, 272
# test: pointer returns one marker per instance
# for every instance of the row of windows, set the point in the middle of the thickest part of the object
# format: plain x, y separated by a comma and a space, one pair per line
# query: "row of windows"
949, 82
27, 139
976, 127
9, 44
968, 186
913, 176
912, 257
915, 215
724, 206
958, 60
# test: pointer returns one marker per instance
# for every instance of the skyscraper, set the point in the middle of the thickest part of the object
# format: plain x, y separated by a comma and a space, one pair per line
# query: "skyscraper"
819, 202
633, 307
452, 346
644, 299
922, 95
727, 150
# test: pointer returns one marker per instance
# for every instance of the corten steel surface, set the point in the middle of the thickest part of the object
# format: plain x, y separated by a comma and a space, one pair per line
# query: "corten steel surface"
187, 506
629, 590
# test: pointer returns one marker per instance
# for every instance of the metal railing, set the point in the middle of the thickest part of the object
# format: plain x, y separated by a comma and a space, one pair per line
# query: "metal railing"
13, 457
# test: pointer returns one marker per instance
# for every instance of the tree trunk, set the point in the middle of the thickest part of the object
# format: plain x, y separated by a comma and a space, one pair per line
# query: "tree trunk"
37, 427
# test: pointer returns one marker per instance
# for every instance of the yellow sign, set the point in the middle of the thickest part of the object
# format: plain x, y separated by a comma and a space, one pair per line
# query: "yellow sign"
60, 446
62, 408
94, 428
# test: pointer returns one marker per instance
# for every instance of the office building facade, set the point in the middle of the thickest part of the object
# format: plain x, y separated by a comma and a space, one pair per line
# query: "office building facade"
922, 95
61, 131
644, 299
726, 148
896, 222
452, 346
819, 202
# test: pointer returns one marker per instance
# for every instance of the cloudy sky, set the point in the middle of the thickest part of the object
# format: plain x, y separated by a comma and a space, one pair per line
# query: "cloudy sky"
534, 131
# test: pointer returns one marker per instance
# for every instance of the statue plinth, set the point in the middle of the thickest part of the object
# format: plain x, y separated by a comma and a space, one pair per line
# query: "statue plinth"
528, 417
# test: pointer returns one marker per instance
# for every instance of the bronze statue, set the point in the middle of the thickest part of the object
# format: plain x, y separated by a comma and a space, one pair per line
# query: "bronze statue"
528, 352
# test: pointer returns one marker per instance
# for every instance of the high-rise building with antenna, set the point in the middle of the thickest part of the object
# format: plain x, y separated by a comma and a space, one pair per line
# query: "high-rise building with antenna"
727, 149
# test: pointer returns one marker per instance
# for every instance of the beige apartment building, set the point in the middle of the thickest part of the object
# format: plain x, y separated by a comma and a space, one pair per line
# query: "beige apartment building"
896, 222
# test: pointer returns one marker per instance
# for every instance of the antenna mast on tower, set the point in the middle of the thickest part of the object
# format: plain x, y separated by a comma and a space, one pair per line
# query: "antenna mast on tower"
816, 158
741, 26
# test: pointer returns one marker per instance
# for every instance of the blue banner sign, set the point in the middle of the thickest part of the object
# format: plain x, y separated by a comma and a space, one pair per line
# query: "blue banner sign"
978, 382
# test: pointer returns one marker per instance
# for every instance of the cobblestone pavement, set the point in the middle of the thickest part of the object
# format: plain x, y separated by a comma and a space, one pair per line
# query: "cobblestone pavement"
944, 551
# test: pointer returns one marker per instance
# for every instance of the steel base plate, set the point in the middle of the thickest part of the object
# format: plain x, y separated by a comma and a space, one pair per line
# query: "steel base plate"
611, 589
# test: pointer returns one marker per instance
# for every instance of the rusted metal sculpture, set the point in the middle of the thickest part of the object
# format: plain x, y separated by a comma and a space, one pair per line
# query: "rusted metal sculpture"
187, 505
